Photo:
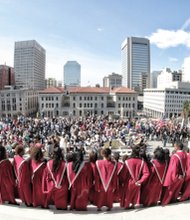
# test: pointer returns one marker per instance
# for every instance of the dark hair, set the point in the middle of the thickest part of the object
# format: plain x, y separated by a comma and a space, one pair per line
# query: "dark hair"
2, 153
36, 154
106, 152
57, 158
179, 145
69, 157
135, 152
77, 160
167, 154
159, 154
116, 156
93, 156
19, 150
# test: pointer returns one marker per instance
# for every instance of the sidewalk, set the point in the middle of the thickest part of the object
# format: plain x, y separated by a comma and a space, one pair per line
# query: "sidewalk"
170, 212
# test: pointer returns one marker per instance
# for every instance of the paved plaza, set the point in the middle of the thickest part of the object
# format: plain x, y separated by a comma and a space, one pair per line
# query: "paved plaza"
170, 212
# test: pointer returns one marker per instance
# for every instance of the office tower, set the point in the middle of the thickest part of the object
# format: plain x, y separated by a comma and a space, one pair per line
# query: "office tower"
7, 77
29, 64
112, 80
51, 82
135, 55
72, 74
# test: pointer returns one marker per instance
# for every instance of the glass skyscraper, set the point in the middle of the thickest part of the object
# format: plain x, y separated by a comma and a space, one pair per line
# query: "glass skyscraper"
72, 74
29, 64
135, 55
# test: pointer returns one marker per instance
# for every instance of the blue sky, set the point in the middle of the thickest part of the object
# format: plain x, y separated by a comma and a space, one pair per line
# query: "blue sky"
91, 32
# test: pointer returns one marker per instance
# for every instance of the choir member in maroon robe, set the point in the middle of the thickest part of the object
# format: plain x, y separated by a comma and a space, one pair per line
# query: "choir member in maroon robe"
7, 180
185, 192
118, 191
23, 176
152, 190
93, 156
175, 175
79, 175
134, 173
55, 183
105, 180
37, 165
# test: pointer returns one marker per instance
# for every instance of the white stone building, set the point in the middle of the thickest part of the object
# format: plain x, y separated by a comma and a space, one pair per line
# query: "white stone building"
166, 102
82, 101
18, 101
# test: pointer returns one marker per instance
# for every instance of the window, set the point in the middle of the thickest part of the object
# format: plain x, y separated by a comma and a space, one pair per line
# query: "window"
74, 105
73, 98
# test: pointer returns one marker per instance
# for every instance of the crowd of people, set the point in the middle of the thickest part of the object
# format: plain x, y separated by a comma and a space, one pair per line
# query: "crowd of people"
69, 162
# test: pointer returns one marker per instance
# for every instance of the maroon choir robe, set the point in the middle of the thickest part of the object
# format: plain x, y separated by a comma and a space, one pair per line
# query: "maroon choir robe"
105, 183
7, 182
118, 191
152, 190
92, 194
186, 185
38, 196
79, 184
174, 177
55, 185
135, 169
23, 179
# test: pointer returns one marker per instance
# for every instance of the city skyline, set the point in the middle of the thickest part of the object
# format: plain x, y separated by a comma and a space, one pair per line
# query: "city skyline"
92, 32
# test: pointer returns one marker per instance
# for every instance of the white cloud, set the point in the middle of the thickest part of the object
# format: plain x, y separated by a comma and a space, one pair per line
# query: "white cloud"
100, 29
170, 38
173, 59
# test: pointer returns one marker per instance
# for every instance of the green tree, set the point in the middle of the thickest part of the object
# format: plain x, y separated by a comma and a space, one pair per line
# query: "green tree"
186, 111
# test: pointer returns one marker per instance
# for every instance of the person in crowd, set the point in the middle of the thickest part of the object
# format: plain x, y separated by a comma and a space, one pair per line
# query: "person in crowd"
79, 175
175, 175
152, 190
185, 191
23, 176
7, 180
134, 173
93, 157
105, 180
116, 157
37, 165
55, 183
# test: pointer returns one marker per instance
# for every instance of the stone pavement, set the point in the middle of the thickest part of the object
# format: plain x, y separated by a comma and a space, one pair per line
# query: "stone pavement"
174, 211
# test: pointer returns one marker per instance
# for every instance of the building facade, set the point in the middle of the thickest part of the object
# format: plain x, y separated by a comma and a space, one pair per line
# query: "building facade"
166, 102
7, 77
51, 82
72, 74
135, 55
112, 80
14, 102
83, 101
166, 78
153, 78
29, 64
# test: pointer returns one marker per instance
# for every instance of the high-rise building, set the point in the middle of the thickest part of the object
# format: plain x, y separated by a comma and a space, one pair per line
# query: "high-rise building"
112, 80
135, 55
72, 74
7, 77
153, 78
29, 64
51, 82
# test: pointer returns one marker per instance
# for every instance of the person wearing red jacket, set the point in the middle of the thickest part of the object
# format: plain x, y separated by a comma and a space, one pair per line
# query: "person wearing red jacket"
175, 175
7, 180
152, 190
79, 175
37, 166
23, 176
55, 183
134, 173
105, 180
